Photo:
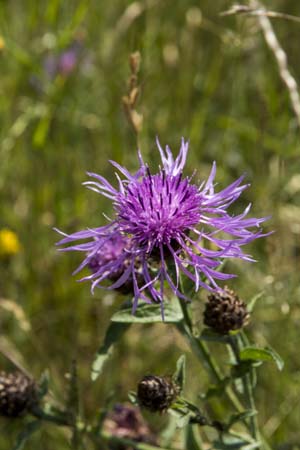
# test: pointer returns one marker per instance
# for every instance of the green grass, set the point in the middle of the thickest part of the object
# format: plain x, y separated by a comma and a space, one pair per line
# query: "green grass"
213, 81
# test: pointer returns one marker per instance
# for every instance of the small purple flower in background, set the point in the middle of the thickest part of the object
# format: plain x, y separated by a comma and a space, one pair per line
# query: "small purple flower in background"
68, 60
65, 62
170, 226
126, 421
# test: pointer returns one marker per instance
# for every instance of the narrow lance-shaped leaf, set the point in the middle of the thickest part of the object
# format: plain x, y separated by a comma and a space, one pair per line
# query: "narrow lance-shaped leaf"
192, 439
113, 334
179, 374
167, 435
26, 433
252, 303
238, 417
235, 442
236, 445
43, 384
261, 354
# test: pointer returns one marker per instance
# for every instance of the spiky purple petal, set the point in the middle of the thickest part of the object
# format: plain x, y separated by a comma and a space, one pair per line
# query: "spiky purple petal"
164, 225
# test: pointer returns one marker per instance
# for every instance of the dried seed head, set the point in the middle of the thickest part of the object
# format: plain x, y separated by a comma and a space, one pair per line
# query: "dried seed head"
225, 312
156, 393
17, 394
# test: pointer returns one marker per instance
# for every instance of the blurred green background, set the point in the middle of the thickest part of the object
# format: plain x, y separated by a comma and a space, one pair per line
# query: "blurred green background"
211, 79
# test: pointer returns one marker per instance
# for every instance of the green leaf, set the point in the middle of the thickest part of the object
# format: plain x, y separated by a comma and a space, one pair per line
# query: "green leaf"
43, 384
186, 412
167, 435
133, 397
235, 443
243, 368
113, 334
25, 434
252, 303
192, 440
261, 354
182, 417
240, 417
179, 375
149, 314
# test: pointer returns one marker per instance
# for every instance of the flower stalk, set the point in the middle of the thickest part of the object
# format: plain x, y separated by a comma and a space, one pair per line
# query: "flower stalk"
203, 354
236, 343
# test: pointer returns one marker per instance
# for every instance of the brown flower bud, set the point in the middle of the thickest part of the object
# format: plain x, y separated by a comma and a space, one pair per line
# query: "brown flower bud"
156, 393
225, 312
18, 393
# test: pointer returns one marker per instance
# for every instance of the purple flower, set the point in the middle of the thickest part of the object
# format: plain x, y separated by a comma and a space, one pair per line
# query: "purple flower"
63, 63
168, 226
126, 421
68, 61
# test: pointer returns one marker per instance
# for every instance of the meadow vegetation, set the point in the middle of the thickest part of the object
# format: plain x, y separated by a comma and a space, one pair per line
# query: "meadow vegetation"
209, 78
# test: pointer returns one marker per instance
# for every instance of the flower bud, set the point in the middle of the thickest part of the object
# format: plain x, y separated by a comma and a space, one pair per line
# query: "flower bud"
18, 393
225, 312
156, 393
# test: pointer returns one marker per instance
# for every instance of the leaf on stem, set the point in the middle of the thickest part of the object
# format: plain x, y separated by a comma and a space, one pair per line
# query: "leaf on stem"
261, 354
192, 440
179, 374
252, 303
234, 443
186, 412
133, 397
25, 434
183, 416
167, 435
239, 417
43, 384
113, 334
149, 314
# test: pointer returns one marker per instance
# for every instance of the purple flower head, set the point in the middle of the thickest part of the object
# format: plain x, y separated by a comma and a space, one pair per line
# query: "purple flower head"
63, 63
107, 253
126, 421
171, 226
68, 61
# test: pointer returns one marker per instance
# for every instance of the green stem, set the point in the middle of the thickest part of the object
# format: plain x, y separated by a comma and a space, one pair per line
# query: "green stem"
203, 354
236, 344
60, 420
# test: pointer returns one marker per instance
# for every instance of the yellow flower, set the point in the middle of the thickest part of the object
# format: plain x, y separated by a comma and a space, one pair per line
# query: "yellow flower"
2, 43
9, 242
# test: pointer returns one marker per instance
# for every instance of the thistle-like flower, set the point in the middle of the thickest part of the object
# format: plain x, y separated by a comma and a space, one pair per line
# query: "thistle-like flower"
168, 225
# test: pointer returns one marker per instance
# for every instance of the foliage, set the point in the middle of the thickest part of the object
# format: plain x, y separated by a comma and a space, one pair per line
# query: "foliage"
209, 78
